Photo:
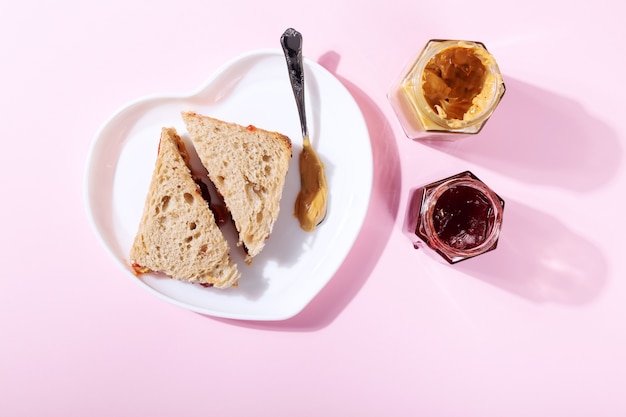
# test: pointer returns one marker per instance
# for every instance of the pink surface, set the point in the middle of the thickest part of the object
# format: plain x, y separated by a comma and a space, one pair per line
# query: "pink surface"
535, 328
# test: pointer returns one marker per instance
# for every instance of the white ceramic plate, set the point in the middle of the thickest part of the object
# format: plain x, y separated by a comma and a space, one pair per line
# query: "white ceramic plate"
252, 89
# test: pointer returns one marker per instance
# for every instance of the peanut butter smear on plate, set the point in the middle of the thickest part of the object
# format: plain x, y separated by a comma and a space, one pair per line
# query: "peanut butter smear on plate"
310, 206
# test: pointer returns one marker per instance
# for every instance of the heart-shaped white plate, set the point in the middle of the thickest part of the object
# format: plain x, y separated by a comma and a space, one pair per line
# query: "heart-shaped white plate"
253, 89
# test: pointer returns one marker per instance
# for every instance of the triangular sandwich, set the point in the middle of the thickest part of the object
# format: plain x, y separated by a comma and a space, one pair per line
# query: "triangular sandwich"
178, 235
248, 167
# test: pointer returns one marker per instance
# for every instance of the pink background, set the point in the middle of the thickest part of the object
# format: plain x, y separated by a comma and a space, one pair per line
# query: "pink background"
536, 328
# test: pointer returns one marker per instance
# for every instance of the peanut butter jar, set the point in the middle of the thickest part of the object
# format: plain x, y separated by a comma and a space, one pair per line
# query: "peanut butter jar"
451, 89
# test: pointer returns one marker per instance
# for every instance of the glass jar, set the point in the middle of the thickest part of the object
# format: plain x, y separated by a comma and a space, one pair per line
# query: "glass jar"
452, 88
458, 217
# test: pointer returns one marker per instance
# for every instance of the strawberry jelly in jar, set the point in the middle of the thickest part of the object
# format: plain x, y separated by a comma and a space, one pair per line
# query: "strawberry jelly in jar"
458, 217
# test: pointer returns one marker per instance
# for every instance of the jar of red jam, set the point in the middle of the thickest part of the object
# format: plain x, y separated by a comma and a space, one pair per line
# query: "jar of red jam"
452, 88
458, 217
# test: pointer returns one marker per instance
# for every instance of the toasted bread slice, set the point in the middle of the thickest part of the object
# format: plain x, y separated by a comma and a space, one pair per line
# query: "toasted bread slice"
248, 167
178, 235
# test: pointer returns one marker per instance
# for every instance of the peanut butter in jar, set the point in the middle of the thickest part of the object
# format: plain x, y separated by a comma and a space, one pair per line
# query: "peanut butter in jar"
452, 88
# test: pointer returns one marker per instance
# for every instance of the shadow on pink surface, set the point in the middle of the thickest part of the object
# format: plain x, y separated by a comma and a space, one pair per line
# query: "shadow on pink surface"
546, 140
540, 137
537, 257
376, 230
540, 259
